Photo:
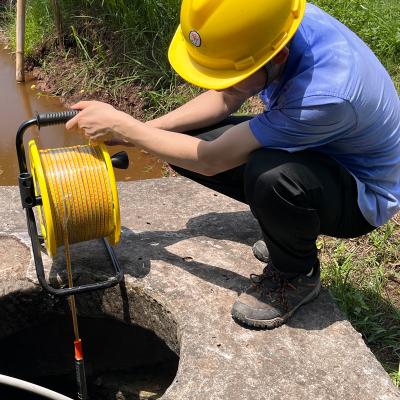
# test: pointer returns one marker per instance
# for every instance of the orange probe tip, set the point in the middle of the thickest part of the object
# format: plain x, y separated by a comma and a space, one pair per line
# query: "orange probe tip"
78, 349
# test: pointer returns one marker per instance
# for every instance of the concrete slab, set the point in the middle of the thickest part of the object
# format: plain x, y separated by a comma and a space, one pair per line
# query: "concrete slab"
186, 255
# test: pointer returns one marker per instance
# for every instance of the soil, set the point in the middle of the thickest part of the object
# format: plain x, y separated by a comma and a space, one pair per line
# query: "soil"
127, 98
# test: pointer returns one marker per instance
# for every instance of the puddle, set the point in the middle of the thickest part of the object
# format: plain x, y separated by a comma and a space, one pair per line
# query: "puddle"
19, 102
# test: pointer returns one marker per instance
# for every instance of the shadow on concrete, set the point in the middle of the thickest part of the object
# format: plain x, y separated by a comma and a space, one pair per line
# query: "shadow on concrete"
136, 251
317, 315
239, 227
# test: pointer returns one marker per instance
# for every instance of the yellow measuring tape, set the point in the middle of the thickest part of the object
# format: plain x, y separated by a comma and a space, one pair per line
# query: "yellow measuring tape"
78, 190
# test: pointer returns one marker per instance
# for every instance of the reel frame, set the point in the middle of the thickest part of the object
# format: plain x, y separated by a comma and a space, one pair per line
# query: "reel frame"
29, 200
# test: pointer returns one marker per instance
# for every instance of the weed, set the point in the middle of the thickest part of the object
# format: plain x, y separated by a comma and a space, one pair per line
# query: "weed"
396, 377
39, 25
120, 43
357, 273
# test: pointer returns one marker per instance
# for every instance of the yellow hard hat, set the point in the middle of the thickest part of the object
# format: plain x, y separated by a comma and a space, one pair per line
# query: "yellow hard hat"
221, 42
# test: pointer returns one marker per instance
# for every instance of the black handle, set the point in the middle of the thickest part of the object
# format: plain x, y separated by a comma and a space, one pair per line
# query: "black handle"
55, 118
42, 119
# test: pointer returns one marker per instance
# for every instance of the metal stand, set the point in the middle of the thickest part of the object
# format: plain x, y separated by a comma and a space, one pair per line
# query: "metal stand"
30, 200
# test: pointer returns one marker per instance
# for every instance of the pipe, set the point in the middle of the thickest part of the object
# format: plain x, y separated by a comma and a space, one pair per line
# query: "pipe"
31, 387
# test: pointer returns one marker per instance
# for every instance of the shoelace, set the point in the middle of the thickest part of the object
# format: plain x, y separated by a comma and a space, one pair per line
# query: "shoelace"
270, 272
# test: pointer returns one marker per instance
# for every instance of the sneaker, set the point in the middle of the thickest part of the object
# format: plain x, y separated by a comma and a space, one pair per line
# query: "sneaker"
273, 298
260, 251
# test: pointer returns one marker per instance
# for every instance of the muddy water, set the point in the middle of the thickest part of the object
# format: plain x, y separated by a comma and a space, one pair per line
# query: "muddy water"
19, 102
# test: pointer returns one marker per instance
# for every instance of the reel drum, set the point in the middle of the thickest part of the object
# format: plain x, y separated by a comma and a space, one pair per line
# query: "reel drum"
77, 187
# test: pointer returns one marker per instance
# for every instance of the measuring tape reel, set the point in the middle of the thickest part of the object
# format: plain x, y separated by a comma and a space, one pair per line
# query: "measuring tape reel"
78, 189
74, 190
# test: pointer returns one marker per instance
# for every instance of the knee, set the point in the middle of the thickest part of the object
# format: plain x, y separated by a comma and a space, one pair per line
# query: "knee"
260, 186
271, 174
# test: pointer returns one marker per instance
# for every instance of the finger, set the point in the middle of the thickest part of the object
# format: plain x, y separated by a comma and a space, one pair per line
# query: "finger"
98, 137
81, 105
72, 122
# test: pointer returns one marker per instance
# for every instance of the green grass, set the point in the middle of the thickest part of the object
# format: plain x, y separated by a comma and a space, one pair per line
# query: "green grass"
128, 39
39, 24
363, 275
118, 43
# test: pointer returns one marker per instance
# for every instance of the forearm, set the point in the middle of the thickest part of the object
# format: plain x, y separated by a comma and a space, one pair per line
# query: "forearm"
173, 147
101, 121
188, 152
206, 109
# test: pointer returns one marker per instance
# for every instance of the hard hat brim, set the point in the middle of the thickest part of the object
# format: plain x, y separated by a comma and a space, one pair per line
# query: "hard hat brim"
207, 78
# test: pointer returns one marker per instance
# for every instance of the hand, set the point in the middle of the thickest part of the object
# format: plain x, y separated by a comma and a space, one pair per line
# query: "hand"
100, 121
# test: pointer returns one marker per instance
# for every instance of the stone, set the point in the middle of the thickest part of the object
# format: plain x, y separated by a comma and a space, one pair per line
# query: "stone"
186, 253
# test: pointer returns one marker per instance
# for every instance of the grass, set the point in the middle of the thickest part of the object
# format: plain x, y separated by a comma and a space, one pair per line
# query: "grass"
116, 47
363, 275
38, 27
123, 43
110, 45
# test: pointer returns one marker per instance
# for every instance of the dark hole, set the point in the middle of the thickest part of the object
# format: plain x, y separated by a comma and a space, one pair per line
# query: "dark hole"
122, 361
28, 200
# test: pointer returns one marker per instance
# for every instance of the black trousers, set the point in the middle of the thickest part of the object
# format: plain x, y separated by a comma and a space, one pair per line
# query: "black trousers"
294, 197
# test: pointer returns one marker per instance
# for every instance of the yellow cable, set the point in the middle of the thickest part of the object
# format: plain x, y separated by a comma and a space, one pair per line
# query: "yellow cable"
78, 188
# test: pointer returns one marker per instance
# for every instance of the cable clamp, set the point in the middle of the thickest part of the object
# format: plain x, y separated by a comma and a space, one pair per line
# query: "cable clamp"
27, 191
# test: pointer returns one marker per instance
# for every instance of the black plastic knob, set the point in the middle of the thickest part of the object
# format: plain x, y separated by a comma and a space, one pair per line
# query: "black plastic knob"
120, 160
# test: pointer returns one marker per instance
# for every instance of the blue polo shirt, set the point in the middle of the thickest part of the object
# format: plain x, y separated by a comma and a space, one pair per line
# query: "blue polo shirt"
335, 97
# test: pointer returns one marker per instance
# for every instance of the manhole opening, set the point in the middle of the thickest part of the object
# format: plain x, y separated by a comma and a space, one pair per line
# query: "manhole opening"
123, 362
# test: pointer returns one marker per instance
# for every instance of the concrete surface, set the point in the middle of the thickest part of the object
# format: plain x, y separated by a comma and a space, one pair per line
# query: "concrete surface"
186, 252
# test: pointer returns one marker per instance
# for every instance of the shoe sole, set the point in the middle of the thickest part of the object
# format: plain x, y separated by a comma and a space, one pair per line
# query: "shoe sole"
276, 322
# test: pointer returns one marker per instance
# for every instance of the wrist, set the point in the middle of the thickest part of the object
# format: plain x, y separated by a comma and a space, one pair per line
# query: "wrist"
125, 125
159, 123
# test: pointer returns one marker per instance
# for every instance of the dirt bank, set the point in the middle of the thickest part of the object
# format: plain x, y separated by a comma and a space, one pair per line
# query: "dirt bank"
126, 99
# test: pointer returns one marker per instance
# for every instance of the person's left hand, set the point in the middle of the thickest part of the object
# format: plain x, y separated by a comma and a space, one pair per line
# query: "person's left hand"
100, 121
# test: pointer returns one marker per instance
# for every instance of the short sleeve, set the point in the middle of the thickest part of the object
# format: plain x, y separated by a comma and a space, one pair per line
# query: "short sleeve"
315, 122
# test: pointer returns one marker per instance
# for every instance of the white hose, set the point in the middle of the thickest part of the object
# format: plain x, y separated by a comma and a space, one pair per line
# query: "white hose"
31, 387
